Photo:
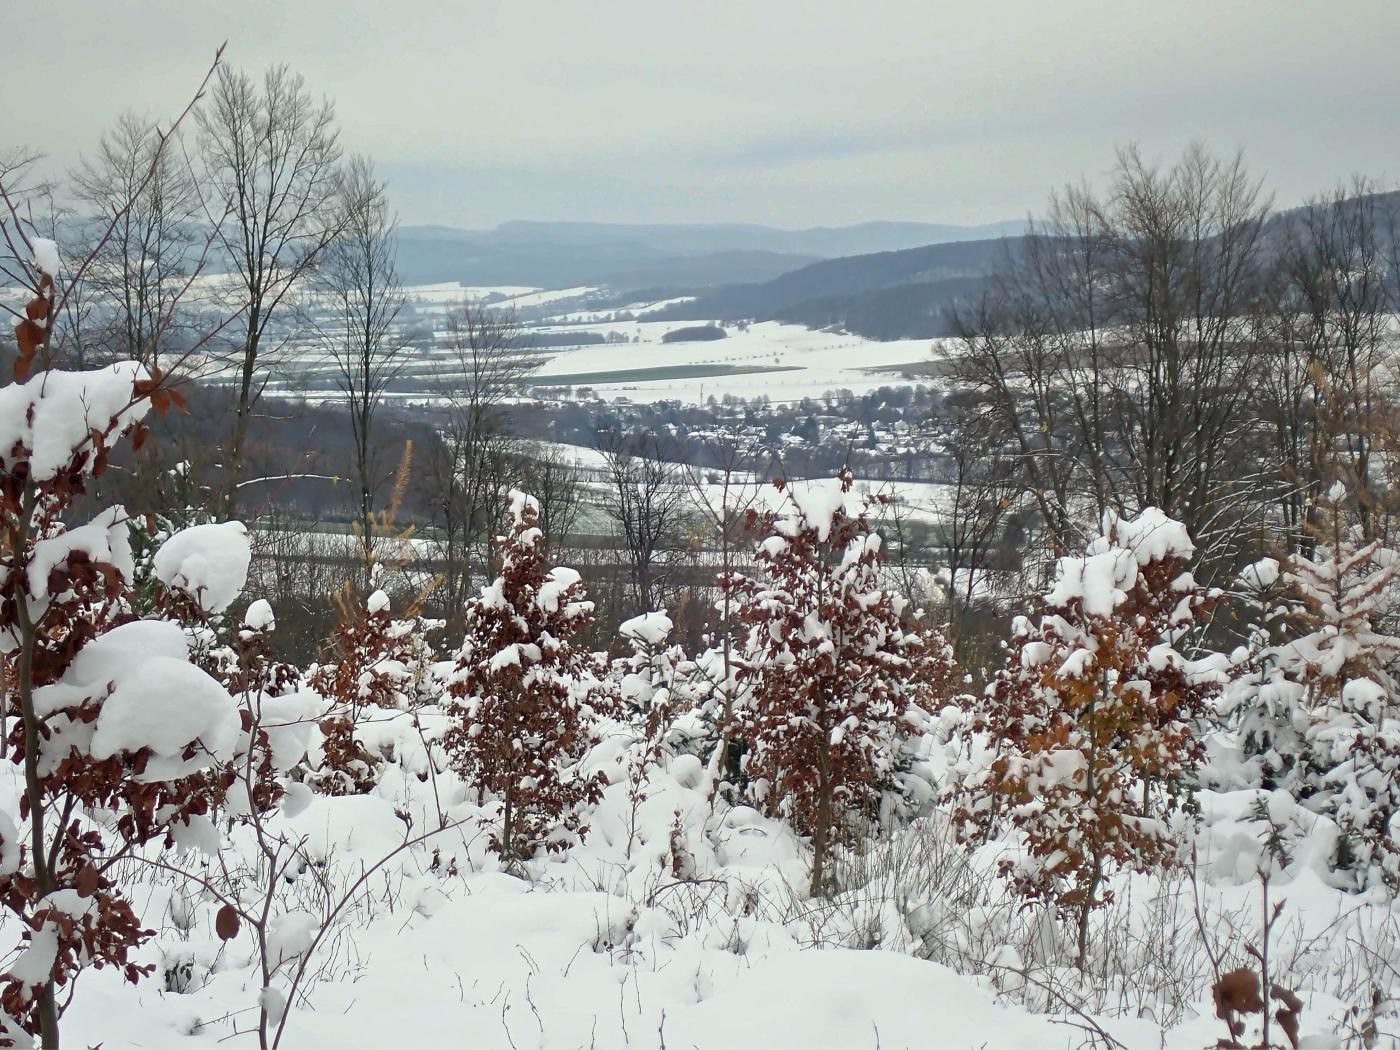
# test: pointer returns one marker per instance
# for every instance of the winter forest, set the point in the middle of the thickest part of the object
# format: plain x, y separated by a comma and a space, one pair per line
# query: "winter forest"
344, 705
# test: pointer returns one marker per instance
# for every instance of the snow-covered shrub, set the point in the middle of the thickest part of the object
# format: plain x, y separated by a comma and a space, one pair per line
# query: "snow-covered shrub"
656, 681
522, 695
1317, 709
1085, 742
122, 739
836, 663
381, 663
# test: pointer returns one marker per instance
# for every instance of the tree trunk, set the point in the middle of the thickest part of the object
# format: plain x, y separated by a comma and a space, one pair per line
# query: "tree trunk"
821, 833
43, 876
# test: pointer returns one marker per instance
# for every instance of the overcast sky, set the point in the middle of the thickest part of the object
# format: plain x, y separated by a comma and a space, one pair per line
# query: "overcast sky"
792, 112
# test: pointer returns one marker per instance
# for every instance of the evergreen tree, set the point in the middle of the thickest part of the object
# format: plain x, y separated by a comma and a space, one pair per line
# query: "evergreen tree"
1317, 710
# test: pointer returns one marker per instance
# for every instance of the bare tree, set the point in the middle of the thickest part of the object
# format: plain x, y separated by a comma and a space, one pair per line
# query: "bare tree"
470, 467
735, 471
647, 499
556, 483
143, 191
357, 302
1115, 344
1330, 385
270, 156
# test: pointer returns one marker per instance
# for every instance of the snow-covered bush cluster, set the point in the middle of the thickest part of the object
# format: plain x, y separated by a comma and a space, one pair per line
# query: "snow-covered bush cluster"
1085, 839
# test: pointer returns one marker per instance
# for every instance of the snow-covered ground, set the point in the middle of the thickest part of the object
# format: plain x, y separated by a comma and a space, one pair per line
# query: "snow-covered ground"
453, 293
545, 297
604, 946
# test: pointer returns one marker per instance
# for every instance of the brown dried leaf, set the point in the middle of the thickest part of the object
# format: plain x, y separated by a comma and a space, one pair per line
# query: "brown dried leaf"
1238, 992
226, 923
30, 337
87, 881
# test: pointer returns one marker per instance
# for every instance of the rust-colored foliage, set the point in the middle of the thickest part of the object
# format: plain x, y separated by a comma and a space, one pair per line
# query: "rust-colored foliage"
1091, 726
1237, 995
83, 597
227, 923
374, 668
523, 695
33, 331
835, 663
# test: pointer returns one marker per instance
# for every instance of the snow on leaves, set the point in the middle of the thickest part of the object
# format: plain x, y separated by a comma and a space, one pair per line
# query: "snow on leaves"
523, 696
836, 664
1086, 739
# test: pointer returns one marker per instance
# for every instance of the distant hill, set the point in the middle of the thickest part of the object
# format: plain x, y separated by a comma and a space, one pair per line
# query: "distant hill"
565, 254
707, 271
821, 241
884, 295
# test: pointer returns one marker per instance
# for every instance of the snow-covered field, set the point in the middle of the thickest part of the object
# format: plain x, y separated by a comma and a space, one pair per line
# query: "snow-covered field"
781, 361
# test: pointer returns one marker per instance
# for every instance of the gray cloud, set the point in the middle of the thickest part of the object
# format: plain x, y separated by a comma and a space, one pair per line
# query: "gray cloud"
782, 111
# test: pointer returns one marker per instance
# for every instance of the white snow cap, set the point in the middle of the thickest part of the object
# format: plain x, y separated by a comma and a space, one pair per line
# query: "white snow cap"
207, 562
518, 502
54, 413
107, 538
1101, 578
10, 842
1263, 573
551, 592
259, 616
167, 705
378, 602
45, 255
1151, 536
651, 628
158, 700
814, 504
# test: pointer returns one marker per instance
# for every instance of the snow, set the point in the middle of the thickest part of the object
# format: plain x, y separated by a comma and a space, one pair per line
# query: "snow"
1101, 578
45, 255
843, 998
166, 705
1151, 535
680, 919
9, 845
519, 502
259, 616
651, 628
104, 540
290, 936
482, 957
783, 362
208, 562
453, 292
1100, 581
1261, 575
819, 502
53, 414
108, 657
552, 590
521, 302
36, 961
